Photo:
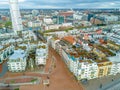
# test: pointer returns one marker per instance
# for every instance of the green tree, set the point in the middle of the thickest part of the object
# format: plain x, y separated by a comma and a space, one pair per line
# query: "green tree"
8, 24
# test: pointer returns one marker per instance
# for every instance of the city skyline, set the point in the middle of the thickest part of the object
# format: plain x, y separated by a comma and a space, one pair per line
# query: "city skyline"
66, 3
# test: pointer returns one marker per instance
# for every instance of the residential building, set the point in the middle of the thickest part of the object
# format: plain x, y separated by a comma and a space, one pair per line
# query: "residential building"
85, 54
34, 24
104, 68
41, 54
17, 61
68, 16
5, 52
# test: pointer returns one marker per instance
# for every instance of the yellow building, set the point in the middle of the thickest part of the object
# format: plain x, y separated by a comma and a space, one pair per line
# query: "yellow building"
104, 68
99, 53
116, 47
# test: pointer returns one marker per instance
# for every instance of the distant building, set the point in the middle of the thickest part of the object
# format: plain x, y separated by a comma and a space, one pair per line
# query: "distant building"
47, 21
0, 17
58, 19
4, 18
35, 12
90, 16
109, 18
15, 15
52, 26
103, 19
97, 20
34, 24
68, 16
70, 40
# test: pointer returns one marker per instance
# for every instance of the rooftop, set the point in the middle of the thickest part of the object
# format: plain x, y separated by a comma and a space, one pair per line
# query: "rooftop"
105, 63
17, 54
115, 58
102, 61
69, 39
68, 13
88, 61
4, 47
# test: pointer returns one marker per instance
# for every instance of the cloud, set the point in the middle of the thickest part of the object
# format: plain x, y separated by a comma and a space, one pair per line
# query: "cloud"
64, 4
21, 0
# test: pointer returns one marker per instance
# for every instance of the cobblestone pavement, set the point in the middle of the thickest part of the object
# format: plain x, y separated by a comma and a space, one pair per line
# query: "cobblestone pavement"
96, 83
60, 77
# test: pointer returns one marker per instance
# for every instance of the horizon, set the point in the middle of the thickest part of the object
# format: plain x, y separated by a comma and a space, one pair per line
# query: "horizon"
69, 8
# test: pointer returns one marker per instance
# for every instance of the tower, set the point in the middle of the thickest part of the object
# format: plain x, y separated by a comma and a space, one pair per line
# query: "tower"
15, 16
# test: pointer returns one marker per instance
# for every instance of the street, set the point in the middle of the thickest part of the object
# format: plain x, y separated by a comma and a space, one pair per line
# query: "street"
60, 77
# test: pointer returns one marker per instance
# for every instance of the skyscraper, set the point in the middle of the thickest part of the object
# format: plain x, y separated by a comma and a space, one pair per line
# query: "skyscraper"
15, 16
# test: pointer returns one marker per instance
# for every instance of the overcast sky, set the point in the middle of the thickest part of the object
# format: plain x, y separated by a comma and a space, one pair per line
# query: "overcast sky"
64, 3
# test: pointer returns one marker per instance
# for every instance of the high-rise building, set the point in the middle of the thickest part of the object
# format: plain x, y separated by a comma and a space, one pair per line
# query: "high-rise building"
68, 16
15, 15
90, 16
58, 19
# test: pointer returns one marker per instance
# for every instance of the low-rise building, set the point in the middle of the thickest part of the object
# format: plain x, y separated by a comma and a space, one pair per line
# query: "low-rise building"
87, 61
17, 61
41, 54
5, 52
104, 68
34, 24
87, 70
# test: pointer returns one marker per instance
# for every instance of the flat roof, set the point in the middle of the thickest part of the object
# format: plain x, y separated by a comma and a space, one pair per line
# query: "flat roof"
115, 58
17, 54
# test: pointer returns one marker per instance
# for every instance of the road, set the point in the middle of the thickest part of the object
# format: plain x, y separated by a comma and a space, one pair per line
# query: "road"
60, 77
4, 69
39, 36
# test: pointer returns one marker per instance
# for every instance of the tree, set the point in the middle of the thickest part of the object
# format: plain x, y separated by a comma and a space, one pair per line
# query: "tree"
8, 24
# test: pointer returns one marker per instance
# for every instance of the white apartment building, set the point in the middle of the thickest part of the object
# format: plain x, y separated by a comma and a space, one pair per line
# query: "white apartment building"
5, 52
17, 61
109, 18
115, 64
82, 69
77, 16
34, 24
41, 54
52, 26
48, 21
87, 70
115, 68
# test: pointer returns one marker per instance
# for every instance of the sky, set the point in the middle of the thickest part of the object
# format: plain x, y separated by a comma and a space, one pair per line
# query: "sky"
63, 4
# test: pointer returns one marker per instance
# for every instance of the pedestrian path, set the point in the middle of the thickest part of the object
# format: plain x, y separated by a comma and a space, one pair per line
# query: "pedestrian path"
115, 85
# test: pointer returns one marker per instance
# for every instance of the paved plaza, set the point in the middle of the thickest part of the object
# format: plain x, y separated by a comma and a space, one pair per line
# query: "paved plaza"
95, 84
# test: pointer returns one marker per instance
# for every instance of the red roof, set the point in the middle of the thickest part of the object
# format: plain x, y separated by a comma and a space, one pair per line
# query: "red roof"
66, 13
69, 39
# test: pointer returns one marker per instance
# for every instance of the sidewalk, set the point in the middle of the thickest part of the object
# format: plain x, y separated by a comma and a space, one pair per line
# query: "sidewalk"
47, 66
94, 84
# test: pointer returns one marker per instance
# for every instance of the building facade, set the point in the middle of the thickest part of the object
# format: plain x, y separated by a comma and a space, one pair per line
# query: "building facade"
15, 15
17, 61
